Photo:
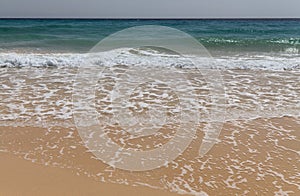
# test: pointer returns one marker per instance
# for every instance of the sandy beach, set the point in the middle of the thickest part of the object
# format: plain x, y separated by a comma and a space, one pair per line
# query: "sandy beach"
21, 177
251, 160
257, 151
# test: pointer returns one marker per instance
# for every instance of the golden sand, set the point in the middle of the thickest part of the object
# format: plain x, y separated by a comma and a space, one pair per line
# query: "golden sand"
257, 153
249, 160
21, 177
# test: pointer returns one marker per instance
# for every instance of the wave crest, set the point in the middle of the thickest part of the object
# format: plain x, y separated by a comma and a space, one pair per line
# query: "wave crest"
151, 57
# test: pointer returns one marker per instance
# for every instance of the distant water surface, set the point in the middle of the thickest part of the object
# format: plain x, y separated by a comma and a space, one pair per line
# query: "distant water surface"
233, 36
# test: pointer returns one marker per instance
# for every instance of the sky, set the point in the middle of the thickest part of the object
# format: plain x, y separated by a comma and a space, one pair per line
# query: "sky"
150, 8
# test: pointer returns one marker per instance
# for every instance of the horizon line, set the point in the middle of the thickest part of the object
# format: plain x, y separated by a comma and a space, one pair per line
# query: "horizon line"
148, 18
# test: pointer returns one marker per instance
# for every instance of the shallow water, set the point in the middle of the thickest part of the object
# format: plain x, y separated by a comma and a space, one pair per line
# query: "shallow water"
257, 151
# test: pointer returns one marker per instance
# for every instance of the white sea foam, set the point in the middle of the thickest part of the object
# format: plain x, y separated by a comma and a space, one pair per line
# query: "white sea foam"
257, 92
251, 94
141, 57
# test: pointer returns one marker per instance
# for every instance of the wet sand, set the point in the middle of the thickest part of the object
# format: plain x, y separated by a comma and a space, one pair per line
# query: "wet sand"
21, 177
249, 159
257, 151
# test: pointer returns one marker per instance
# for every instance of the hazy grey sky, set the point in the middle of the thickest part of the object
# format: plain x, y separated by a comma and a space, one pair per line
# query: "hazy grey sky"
150, 8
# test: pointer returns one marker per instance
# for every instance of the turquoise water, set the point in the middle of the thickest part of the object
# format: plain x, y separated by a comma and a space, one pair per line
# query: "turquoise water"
216, 35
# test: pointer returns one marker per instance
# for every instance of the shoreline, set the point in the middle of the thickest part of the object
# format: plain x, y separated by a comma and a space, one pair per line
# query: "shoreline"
252, 156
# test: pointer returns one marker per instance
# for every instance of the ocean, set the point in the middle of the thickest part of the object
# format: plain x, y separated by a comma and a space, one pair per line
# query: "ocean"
80, 35
249, 43
221, 122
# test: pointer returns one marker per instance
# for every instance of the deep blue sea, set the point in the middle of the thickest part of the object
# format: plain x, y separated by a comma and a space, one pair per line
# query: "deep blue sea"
215, 35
